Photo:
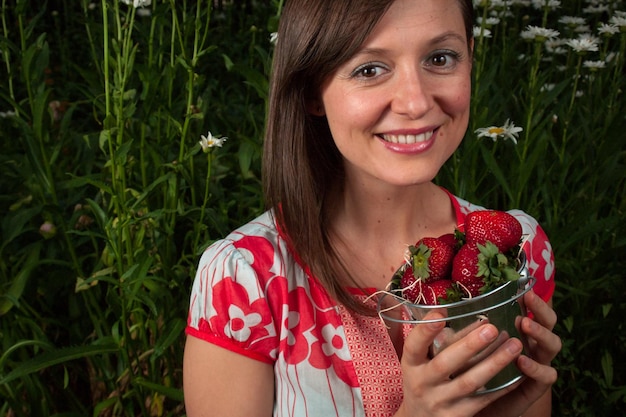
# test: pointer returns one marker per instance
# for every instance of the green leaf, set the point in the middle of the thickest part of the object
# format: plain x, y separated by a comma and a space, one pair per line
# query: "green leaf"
607, 368
228, 63
174, 331
173, 393
55, 357
16, 224
14, 293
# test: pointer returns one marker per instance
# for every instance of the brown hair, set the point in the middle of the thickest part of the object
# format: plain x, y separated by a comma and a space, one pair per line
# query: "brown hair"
301, 161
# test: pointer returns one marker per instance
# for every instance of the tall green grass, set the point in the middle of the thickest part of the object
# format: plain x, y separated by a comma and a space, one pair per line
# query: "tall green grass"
107, 197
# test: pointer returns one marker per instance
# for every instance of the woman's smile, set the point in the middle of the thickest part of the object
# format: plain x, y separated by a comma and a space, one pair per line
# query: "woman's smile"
409, 143
407, 139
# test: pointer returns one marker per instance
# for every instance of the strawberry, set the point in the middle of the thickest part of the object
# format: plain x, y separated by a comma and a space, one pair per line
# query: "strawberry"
465, 270
478, 268
411, 287
437, 292
431, 259
455, 240
498, 227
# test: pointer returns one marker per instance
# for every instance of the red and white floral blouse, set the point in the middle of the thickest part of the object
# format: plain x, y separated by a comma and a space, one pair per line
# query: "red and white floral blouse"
252, 297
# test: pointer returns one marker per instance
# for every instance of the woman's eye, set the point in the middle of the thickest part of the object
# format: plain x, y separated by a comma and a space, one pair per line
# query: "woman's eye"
446, 59
440, 60
368, 71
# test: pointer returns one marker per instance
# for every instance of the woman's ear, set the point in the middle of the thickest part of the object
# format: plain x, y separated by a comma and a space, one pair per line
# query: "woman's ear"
315, 107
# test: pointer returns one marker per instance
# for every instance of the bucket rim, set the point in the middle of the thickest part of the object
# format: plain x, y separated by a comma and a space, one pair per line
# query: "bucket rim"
528, 284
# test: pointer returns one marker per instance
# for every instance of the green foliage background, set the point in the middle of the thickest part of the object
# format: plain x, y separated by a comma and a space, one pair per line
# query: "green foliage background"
107, 199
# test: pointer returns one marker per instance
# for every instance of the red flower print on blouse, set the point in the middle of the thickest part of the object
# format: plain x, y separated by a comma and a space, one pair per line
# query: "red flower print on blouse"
298, 322
334, 342
541, 251
263, 250
541, 262
331, 351
241, 323
239, 319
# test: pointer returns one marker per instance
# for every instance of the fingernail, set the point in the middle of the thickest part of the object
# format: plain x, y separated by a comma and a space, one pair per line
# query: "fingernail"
436, 325
488, 333
513, 347
523, 361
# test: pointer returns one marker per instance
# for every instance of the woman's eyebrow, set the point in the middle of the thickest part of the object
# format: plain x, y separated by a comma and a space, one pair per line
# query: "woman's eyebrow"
444, 37
448, 36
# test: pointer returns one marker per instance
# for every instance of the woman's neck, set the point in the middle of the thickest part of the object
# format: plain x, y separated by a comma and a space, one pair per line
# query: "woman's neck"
372, 227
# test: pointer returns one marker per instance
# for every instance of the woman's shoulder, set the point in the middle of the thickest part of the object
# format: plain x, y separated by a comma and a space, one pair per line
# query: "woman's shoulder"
256, 244
263, 226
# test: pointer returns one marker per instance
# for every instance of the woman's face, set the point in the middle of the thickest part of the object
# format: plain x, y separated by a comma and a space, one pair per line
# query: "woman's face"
399, 107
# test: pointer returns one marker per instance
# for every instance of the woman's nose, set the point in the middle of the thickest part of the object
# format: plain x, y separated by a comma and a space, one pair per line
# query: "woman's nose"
412, 96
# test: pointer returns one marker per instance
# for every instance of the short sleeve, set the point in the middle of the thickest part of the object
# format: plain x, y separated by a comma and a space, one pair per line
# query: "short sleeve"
228, 306
539, 254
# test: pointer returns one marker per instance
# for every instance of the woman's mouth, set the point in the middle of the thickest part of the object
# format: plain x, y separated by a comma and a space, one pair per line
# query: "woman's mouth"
407, 139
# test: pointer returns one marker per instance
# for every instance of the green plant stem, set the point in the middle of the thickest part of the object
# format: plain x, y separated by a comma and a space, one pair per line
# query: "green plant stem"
617, 78
531, 97
570, 108
479, 51
7, 57
108, 113
92, 48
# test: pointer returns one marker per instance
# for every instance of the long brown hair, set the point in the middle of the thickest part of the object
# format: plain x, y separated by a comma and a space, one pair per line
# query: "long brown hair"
301, 161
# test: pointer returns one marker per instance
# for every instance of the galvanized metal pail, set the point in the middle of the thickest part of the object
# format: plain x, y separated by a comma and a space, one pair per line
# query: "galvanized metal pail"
501, 307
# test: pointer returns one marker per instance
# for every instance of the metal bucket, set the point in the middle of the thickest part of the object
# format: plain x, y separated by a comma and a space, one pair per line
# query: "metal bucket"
500, 307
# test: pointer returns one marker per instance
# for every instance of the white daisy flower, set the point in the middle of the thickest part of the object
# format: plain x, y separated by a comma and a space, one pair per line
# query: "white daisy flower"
572, 21
539, 34
137, 3
594, 65
619, 21
582, 45
607, 29
209, 141
481, 32
508, 131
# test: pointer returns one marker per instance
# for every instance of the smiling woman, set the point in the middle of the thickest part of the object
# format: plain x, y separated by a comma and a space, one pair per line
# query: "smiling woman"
368, 100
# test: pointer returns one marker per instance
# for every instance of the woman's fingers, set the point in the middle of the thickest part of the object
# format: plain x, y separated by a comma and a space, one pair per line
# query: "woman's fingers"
454, 359
417, 344
544, 374
545, 344
482, 372
542, 312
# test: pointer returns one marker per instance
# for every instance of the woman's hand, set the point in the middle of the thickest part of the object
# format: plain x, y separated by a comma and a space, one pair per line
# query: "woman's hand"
429, 390
534, 393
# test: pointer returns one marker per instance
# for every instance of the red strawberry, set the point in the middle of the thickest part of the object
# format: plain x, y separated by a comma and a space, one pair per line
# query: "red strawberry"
498, 227
455, 240
431, 259
478, 268
465, 270
436, 292
411, 287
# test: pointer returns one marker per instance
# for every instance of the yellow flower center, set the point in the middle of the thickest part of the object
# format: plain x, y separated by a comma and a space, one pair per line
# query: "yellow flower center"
496, 131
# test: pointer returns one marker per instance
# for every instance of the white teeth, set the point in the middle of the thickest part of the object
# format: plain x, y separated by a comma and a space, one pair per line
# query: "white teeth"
407, 139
